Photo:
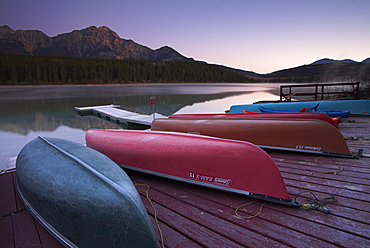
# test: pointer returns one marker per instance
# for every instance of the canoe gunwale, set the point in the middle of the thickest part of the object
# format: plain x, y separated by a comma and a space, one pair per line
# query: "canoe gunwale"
331, 154
57, 235
285, 202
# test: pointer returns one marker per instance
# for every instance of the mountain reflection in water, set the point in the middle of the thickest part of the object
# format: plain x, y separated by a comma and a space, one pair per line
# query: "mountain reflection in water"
27, 112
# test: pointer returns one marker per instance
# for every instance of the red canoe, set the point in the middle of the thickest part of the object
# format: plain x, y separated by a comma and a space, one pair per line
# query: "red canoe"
229, 165
252, 115
311, 136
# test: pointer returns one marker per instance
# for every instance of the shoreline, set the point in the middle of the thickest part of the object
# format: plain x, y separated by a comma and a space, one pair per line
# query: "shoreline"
112, 84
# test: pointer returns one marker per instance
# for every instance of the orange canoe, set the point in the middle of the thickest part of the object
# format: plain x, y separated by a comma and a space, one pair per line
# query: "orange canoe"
311, 136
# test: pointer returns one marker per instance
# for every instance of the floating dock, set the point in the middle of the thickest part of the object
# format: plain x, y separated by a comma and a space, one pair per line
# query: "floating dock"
116, 115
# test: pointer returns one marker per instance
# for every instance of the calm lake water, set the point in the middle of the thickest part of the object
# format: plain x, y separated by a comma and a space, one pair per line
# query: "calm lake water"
31, 111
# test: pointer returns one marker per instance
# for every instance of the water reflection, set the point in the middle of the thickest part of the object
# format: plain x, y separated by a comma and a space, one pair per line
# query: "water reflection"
27, 112
23, 116
39, 121
11, 143
48, 114
221, 105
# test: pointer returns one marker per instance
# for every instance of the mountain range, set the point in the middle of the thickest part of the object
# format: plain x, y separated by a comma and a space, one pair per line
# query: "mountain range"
328, 61
327, 70
102, 42
91, 42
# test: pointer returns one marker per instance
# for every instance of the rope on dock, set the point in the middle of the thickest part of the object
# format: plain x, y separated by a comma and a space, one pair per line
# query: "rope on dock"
327, 172
246, 204
146, 192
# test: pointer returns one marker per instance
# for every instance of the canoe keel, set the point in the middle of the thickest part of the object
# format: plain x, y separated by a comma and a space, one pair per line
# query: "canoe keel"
81, 197
228, 165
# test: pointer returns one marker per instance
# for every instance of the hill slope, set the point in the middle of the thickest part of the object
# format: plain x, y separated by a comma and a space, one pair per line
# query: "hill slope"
324, 71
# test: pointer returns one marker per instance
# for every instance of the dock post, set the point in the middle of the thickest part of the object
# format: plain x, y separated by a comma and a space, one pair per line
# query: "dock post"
153, 103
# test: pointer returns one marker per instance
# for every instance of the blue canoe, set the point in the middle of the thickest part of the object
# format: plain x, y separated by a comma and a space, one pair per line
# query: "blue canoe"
356, 107
331, 113
81, 197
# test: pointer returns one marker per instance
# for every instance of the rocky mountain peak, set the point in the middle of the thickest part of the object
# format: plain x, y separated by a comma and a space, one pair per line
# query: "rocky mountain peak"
366, 61
5, 31
22, 41
167, 53
328, 61
93, 42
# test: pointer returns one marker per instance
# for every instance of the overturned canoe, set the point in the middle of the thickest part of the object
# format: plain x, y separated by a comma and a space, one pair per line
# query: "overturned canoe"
229, 165
356, 107
81, 197
311, 136
303, 115
331, 113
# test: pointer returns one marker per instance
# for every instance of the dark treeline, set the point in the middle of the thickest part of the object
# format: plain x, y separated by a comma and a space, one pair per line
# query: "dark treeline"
46, 70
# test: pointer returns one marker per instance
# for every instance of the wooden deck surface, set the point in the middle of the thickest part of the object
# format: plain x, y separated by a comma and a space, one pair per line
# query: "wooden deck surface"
114, 114
191, 216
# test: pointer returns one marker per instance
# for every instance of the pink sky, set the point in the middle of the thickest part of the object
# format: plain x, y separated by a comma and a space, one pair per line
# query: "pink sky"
255, 35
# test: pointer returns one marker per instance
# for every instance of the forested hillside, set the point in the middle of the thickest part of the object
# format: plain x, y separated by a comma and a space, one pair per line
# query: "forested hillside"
46, 70
323, 72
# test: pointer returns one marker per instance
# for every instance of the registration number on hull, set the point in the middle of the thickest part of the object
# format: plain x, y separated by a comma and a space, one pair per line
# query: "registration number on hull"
311, 148
210, 179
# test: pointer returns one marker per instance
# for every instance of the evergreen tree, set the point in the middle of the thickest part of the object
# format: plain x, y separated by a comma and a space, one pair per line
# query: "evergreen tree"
28, 69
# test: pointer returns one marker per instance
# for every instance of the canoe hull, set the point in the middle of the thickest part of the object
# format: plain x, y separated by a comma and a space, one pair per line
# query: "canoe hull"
305, 116
81, 197
312, 136
332, 113
228, 165
356, 107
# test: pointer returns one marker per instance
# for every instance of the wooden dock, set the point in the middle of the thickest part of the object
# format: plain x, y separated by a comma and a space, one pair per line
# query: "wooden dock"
116, 115
191, 216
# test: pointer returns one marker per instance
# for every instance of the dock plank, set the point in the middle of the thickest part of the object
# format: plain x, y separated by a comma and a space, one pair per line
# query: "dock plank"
290, 211
46, 239
114, 113
195, 215
7, 195
25, 233
270, 228
173, 238
6, 230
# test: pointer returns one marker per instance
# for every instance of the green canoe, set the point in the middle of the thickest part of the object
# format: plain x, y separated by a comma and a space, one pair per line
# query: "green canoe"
81, 196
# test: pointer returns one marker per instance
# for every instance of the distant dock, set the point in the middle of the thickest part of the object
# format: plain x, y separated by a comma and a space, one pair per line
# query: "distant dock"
116, 115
